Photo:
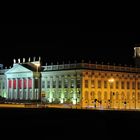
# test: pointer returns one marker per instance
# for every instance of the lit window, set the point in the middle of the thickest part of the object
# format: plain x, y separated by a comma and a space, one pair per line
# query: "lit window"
66, 83
59, 84
72, 83
99, 83
122, 84
105, 84
92, 84
133, 85
138, 95
48, 84
117, 84
128, 85
78, 83
138, 85
54, 84
86, 83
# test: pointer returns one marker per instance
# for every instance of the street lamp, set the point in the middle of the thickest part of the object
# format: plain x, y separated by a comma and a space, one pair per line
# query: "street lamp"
111, 81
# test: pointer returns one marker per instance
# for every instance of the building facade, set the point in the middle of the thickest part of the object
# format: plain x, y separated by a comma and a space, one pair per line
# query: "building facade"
81, 84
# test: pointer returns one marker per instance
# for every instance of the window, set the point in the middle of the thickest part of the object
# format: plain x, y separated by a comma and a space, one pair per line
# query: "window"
138, 85
92, 84
66, 83
105, 84
48, 84
128, 85
92, 94
72, 83
99, 83
59, 84
117, 84
86, 83
78, 83
138, 95
54, 84
122, 84
133, 85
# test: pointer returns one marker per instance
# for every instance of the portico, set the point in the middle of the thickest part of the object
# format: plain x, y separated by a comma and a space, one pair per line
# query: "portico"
23, 83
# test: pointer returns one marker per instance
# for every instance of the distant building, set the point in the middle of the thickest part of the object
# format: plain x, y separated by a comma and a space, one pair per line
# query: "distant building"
81, 84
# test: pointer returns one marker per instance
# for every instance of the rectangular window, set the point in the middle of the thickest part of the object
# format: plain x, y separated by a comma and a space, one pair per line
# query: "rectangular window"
86, 83
99, 83
72, 83
117, 85
128, 85
105, 84
78, 83
92, 84
138, 85
54, 84
59, 84
122, 84
133, 85
48, 84
66, 83
138, 95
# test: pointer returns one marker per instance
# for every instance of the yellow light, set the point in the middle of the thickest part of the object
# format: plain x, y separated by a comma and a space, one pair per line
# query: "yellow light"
111, 80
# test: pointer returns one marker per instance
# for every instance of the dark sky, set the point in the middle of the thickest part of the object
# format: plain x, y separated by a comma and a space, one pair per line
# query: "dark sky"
64, 42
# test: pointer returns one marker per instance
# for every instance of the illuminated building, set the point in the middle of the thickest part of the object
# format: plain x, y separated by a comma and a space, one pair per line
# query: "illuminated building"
81, 84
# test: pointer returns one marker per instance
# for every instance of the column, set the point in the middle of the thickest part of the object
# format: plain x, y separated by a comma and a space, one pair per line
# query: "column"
27, 94
16, 93
33, 93
39, 89
12, 88
51, 93
75, 89
7, 89
22, 91
62, 89
45, 83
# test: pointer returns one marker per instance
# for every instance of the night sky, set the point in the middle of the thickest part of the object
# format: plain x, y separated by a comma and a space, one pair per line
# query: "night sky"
65, 42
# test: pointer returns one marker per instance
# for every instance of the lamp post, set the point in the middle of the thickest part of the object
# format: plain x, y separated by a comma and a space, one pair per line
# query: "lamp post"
111, 81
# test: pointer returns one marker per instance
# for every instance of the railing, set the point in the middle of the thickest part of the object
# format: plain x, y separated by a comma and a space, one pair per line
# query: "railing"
92, 67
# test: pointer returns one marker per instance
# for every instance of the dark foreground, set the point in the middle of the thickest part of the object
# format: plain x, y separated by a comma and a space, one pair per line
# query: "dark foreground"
70, 122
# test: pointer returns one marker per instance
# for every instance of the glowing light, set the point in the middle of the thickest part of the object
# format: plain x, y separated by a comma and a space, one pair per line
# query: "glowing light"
111, 80
61, 101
